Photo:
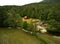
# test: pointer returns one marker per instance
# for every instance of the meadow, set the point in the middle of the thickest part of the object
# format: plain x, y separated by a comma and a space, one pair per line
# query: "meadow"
17, 36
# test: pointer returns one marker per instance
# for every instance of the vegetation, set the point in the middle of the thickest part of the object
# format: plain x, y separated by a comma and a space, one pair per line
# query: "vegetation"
10, 16
53, 1
15, 36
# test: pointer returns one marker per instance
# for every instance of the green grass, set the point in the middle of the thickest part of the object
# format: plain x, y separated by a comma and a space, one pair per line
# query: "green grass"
16, 36
41, 39
49, 39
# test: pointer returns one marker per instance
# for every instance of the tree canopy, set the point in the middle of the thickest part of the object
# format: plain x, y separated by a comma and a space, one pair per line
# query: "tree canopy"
52, 1
48, 12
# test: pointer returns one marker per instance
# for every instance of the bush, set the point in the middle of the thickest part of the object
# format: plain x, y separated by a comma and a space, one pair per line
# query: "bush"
25, 25
53, 31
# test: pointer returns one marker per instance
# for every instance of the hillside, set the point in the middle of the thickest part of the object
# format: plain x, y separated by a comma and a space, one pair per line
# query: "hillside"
47, 12
52, 1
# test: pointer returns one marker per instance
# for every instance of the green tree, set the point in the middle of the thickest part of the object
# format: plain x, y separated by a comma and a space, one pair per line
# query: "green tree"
25, 25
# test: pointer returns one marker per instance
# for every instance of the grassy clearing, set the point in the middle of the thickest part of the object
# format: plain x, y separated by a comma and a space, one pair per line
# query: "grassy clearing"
41, 39
49, 39
14, 36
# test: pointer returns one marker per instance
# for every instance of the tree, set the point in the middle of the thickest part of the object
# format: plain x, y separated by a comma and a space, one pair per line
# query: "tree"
25, 25
52, 0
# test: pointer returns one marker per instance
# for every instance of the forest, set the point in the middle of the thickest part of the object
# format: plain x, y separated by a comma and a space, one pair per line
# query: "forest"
10, 16
52, 1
